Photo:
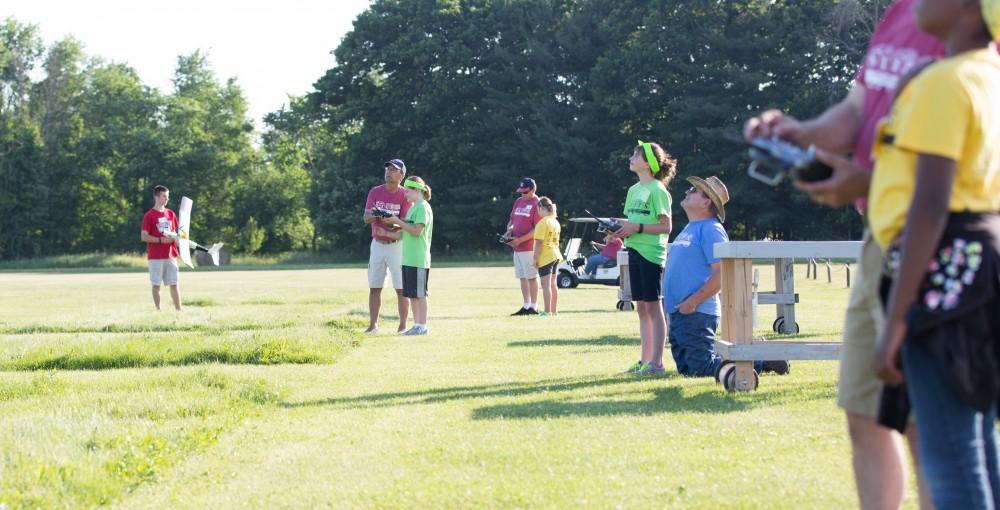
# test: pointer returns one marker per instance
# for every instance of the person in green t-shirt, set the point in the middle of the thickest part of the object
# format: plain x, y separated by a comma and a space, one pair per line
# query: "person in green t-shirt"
645, 229
546, 255
417, 229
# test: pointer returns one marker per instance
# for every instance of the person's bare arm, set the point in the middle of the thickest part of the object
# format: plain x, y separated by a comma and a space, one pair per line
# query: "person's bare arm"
664, 226
848, 183
925, 223
413, 228
709, 289
835, 130
146, 238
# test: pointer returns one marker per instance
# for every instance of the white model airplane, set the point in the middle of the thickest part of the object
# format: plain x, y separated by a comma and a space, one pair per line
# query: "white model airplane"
182, 236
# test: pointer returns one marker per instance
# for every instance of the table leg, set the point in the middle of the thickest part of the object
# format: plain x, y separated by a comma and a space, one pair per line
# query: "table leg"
737, 315
784, 283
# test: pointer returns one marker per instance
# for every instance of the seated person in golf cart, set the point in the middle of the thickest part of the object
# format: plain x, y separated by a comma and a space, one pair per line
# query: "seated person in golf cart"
608, 252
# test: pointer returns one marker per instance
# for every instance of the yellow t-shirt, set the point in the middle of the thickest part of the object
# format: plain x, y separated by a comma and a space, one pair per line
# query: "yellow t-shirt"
547, 231
951, 110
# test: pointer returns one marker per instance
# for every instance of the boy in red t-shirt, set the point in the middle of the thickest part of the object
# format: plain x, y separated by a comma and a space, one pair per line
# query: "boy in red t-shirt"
159, 229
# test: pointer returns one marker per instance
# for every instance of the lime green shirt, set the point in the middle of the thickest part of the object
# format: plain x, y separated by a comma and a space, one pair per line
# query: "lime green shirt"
644, 205
417, 249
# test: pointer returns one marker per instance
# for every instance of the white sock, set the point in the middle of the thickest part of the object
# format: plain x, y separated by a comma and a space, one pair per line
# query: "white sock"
527, 305
532, 306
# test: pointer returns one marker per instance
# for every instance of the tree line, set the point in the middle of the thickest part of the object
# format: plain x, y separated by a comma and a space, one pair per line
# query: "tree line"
472, 94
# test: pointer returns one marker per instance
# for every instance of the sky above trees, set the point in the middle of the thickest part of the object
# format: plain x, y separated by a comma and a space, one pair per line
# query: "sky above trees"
272, 48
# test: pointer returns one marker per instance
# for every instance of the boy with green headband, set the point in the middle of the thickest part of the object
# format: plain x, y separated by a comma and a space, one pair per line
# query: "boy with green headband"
417, 231
646, 227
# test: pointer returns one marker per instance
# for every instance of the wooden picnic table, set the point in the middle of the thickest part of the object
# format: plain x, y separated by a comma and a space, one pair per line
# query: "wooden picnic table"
736, 343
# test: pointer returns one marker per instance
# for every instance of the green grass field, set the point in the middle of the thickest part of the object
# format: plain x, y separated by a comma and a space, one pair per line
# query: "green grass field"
263, 393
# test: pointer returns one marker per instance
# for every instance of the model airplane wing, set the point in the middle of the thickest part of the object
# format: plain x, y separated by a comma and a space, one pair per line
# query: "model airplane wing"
184, 231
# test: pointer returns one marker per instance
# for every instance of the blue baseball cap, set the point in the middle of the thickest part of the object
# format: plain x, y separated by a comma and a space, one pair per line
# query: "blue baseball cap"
526, 185
397, 164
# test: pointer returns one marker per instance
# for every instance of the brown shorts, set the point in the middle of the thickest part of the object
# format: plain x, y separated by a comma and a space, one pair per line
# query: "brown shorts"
858, 390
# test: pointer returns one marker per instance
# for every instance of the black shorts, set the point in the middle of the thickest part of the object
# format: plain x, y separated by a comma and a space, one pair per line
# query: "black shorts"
645, 277
415, 281
548, 269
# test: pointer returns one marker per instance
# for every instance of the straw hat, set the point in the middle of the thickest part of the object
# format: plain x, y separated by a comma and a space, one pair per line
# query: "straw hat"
715, 191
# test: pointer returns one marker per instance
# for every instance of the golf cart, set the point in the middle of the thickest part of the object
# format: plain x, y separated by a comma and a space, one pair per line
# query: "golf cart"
571, 269
612, 272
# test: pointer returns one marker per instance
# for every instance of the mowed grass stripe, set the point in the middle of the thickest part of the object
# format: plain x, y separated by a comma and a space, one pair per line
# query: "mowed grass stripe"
143, 328
285, 343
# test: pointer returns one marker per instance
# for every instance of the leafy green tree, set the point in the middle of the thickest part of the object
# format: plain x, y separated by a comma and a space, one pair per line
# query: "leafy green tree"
23, 182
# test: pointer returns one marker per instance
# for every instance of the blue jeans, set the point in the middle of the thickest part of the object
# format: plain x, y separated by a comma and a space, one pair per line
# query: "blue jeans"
958, 444
593, 261
692, 343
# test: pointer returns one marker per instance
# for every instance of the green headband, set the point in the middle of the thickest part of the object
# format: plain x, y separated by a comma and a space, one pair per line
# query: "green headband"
654, 166
414, 184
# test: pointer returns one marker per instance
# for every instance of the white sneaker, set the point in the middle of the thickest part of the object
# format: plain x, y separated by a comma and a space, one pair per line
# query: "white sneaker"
416, 330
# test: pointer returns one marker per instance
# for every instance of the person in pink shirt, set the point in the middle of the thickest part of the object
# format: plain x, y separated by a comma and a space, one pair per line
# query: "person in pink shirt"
609, 251
898, 48
386, 253
521, 228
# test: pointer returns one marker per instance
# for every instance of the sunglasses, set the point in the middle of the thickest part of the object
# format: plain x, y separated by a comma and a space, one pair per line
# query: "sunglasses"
690, 190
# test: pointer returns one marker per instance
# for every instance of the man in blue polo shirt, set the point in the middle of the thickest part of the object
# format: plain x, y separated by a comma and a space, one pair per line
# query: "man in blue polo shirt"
693, 278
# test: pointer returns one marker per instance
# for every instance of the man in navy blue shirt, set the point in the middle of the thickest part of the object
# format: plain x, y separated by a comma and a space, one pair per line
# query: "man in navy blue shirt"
693, 278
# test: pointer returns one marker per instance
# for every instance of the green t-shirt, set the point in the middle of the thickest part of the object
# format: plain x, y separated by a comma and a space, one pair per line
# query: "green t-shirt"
417, 249
644, 205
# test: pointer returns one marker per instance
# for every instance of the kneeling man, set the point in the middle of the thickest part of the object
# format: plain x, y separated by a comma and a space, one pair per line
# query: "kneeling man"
693, 278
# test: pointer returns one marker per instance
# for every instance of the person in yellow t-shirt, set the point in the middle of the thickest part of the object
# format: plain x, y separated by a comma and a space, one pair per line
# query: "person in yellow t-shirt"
934, 209
547, 256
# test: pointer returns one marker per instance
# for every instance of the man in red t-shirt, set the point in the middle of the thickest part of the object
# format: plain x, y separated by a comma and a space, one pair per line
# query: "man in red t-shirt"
386, 253
159, 231
521, 227
897, 49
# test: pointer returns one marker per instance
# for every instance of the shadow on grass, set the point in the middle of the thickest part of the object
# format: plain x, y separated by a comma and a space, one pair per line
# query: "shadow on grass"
666, 399
610, 308
606, 340
435, 395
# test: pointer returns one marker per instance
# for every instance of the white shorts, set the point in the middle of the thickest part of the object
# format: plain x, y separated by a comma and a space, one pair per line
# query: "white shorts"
524, 265
385, 257
163, 272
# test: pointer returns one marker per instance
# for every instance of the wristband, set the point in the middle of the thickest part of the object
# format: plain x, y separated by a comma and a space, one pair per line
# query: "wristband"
641, 227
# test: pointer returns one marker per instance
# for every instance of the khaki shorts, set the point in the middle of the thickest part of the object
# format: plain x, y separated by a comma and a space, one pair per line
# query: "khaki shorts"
858, 390
385, 258
163, 272
524, 265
